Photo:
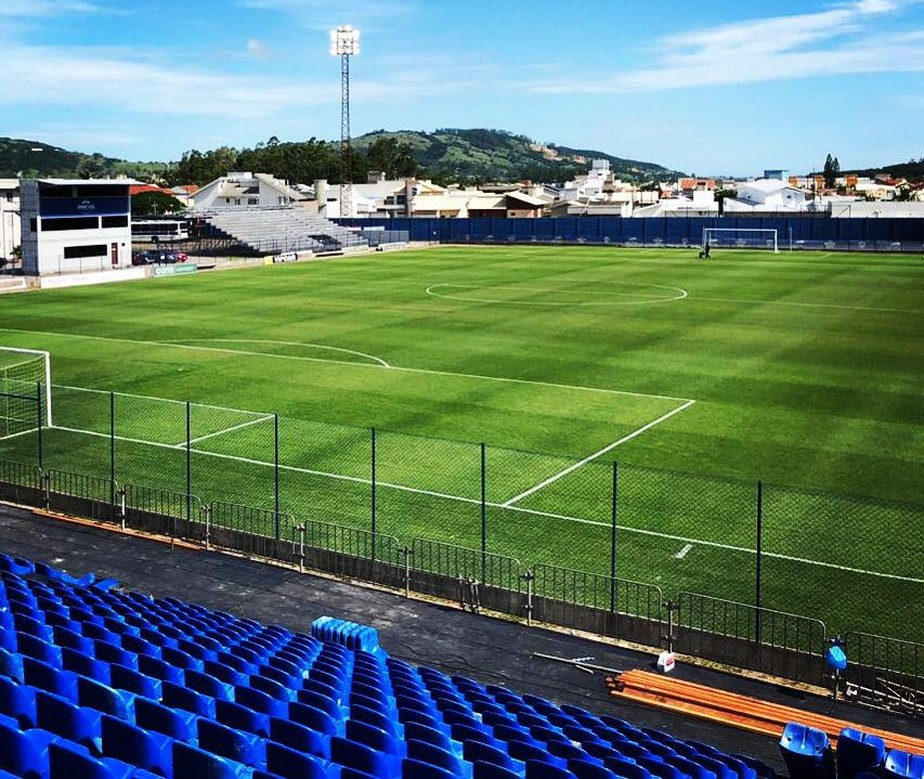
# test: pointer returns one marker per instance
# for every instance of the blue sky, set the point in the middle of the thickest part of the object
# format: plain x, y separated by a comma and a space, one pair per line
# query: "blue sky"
712, 87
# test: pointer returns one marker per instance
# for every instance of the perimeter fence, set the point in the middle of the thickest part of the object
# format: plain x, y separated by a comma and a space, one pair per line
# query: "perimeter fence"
746, 573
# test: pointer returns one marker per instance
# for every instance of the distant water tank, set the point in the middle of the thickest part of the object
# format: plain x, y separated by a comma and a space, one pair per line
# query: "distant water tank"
320, 194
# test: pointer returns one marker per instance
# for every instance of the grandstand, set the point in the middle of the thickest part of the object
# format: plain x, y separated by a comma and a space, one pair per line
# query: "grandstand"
275, 230
189, 664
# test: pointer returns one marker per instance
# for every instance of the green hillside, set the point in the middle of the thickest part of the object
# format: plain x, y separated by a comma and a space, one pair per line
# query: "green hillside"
28, 159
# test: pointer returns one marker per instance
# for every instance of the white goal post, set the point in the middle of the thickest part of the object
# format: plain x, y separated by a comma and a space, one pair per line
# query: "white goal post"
741, 238
25, 390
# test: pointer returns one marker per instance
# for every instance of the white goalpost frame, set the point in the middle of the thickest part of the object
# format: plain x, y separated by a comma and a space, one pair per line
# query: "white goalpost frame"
770, 231
42, 375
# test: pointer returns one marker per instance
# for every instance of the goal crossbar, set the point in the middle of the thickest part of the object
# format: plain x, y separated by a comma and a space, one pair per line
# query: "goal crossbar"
741, 237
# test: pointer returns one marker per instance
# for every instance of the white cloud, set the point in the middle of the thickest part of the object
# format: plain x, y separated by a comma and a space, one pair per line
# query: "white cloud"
26, 8
840, 40
258, 50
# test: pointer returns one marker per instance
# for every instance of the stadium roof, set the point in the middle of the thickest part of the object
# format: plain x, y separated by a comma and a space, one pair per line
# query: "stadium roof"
65, 182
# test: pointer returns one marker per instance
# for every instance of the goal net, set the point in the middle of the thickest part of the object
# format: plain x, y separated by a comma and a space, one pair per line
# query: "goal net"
740, 238
25, 391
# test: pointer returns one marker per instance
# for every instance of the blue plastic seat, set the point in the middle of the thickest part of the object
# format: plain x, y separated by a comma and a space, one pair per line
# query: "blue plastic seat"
159, 669
246, 748
272, 688
238, 716
626, 768
60, 716
540, 769
106, 699
483, 770
111, 653
143, 748
430, 735
660, 769
376, 719
180, 659
85, 665
71, 638
47, 677
178, 724
299, 737
38, 648
289, 763
208, 685
584, 769
903, 765
806, 751
313, 718
419, 769
372, 736
17, 701
190, 762
189, 700
858, 751
354, 755
76, 762
435, 755
23, 753
225, 673
478, 751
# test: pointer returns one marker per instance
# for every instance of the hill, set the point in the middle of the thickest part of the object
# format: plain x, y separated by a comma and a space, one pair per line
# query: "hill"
913, 171
445, 156
496, 155
19, 157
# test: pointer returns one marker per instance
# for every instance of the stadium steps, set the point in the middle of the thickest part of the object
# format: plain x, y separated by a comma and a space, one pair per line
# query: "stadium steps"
291, 228
756, 716
99, 681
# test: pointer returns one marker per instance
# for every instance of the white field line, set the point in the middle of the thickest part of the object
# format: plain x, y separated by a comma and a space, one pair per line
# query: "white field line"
183, 444
190, 341
573, 467
374, 366
683, 552
517, 509
16, 435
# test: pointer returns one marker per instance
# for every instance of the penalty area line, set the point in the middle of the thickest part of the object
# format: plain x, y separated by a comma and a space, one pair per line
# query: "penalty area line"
571, 468
231, 429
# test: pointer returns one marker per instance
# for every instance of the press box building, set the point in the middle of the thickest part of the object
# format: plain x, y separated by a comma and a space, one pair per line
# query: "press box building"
75, 226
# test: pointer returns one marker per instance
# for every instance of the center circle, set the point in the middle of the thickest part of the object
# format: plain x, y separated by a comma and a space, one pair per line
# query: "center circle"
614, 293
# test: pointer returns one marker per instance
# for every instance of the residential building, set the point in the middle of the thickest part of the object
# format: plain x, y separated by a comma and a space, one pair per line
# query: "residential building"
242, 189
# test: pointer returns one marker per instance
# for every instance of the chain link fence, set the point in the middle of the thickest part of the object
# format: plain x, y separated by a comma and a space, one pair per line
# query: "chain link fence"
849, 562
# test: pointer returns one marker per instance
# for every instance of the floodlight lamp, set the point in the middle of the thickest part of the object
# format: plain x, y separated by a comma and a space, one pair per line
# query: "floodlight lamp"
344, 40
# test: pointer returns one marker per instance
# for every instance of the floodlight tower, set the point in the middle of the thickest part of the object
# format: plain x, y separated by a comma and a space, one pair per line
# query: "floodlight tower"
344, 43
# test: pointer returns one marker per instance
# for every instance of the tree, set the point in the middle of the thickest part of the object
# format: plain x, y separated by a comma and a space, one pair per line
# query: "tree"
831, 171
153, 203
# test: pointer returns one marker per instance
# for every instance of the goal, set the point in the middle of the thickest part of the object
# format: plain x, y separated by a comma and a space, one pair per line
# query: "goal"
25, 391
741, 238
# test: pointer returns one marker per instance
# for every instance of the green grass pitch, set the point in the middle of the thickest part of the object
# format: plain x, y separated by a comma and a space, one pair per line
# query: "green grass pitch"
803, 370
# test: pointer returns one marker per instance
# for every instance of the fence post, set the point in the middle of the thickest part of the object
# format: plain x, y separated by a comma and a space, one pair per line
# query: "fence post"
484, 511
530, 578
188, 461
757, 568
372, 444
301, 548
276, 475
112, 452
122, 518
46, 488
206, 510
407, 552
614, 517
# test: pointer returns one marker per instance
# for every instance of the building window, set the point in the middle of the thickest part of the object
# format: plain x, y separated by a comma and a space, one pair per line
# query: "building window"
115, 221
76, 223
77, 252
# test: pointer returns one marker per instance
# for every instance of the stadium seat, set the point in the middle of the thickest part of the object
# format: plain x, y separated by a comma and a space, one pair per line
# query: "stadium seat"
858, 751
106, 699
299, 737
351, 754
47, 677
539, 769
238, 745
478, 751
903, 765
190, 762
75, 761
418, 769
23, 753
240, 717
290, 763
374, 737
178, 724
806, 751
142, 748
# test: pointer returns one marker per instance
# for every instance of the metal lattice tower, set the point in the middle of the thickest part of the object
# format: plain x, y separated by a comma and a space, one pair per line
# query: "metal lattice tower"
344, 43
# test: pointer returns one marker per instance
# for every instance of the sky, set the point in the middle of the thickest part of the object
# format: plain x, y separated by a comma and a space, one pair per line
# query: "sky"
714, 87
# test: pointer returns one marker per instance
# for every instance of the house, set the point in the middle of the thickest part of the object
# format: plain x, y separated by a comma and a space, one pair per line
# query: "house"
10, 234
762, 195
242, 189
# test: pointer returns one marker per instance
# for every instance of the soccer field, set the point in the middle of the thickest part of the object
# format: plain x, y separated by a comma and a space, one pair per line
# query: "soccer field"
803, 370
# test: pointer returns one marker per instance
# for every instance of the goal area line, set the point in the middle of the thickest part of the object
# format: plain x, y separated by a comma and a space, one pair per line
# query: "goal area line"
517, 509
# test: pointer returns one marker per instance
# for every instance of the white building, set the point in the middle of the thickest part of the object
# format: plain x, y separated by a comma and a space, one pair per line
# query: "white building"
242, 189
75, 226
766, 195
10, 232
